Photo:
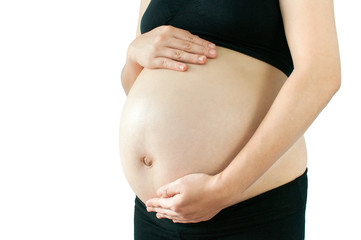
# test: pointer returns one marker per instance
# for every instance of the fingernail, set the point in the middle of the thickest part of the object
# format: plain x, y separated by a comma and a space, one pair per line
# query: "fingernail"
212, 51
182, 67
201, 58
211, 45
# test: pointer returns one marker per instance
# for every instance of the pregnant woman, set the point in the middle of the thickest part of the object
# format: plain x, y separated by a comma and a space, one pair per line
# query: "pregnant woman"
219, 95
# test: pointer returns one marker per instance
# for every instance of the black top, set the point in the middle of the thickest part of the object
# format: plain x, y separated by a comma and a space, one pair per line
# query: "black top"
252, 27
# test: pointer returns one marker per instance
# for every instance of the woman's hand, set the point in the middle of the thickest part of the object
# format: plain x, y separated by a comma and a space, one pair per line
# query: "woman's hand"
170, 47
193, 198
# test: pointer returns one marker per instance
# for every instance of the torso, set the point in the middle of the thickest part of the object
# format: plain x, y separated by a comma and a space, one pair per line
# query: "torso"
198, 120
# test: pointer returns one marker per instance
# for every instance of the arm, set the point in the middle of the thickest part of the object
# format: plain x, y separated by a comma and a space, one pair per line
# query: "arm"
311, 33
131, 68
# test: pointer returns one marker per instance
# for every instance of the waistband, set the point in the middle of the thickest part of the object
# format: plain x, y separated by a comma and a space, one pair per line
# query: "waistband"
266, 207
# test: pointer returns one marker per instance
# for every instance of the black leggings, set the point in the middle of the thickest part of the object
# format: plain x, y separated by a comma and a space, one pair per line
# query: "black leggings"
278, 214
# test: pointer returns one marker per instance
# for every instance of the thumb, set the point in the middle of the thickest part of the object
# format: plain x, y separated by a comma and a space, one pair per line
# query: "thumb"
168, 190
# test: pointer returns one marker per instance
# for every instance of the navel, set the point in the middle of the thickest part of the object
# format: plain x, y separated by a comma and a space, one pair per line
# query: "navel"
147, 161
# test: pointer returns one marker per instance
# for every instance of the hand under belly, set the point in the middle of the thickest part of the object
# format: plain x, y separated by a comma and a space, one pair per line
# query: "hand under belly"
176, 123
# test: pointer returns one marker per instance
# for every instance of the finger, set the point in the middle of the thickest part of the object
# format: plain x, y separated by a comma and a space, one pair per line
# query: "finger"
186, 35
182, 56
163, 211
159, 215
179, 221
190, 47
182, 220
169, 190
165, 203
163, 62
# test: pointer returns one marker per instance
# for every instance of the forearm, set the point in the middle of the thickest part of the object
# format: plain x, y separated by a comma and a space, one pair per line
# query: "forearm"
130, 73
300, 100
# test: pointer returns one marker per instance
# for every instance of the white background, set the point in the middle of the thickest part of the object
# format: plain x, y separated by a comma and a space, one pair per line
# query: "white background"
60, 104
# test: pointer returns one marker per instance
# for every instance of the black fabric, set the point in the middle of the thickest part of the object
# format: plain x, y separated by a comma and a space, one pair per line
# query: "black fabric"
278, 214
253, 27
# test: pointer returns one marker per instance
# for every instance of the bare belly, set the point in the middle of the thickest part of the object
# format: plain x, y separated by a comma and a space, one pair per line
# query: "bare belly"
176, 123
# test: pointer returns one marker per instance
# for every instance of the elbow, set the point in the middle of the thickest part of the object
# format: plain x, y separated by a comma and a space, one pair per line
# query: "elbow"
325, 78
330, 75
337, 84
329, 85
334, 82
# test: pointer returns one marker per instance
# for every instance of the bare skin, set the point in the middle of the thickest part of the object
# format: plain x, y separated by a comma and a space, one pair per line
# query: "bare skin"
217, 132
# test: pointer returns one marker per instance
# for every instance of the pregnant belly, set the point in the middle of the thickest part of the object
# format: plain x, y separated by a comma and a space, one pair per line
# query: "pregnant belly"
176, 123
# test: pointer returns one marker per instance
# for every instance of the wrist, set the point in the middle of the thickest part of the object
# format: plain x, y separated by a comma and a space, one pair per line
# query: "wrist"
224, 190
131, 56
131, 61
130, 71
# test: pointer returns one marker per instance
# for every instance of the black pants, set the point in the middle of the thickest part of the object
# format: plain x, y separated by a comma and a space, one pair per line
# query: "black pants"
278, 214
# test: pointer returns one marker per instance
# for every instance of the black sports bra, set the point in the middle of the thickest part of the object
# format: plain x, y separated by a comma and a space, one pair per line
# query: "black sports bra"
252, 27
